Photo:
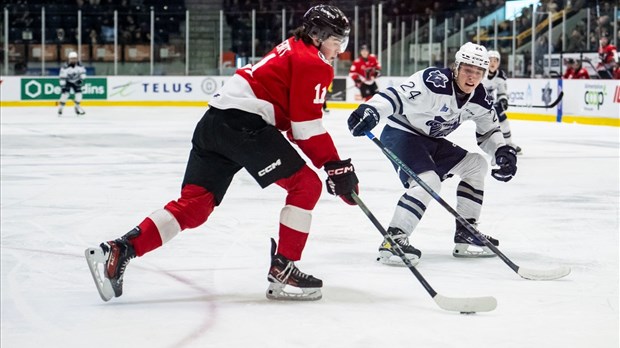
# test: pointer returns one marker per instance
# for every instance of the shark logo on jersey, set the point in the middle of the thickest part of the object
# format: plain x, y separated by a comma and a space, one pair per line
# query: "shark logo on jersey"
437, 78
440, 128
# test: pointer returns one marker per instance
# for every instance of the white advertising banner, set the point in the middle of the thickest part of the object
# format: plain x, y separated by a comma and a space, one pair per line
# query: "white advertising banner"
524, 93
600, 98
9, 88
163, 88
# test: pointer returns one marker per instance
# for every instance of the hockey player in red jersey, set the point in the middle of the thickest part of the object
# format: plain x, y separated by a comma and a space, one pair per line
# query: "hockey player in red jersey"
364, 71
243, 128
607, 53
576, 70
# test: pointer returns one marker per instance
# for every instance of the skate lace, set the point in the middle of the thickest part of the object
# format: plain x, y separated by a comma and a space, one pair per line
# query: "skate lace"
401, 239
291, 269
121, 270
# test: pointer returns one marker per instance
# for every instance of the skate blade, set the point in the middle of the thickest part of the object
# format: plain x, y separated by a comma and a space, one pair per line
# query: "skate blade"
94, 258
277, 292
387, 258
471, 251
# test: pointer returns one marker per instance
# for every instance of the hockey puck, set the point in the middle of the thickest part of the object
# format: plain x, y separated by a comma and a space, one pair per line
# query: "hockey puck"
468, 313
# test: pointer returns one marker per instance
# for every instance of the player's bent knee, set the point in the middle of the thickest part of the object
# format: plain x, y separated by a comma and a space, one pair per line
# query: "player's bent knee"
431, 179
304, 188
193, 208
473, 166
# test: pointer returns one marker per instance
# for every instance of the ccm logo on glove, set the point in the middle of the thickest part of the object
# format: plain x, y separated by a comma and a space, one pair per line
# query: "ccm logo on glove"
340, 171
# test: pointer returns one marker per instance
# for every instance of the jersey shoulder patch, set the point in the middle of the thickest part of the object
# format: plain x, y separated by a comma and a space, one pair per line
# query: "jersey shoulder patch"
438, 80
482, 98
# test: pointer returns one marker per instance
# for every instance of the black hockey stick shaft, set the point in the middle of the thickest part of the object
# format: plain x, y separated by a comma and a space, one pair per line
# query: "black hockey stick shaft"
460, 304
443, 203
395, 245
556, 102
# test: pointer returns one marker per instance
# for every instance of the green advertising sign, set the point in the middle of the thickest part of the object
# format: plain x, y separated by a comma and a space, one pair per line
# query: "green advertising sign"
49, 89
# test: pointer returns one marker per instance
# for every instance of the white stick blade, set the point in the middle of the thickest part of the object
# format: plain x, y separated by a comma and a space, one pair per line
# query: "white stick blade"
551, 274
468, 304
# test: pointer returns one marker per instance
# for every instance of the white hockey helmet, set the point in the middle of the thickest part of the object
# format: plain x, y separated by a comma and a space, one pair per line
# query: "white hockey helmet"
72, 55
472, 54
495, 54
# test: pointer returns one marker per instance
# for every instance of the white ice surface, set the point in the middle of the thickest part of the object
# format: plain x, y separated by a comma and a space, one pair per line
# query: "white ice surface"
70, 183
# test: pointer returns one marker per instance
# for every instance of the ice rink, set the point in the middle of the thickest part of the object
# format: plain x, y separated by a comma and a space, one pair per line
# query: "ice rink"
70, 183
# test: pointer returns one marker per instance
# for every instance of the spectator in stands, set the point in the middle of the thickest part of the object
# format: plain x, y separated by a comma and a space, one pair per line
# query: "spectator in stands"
60, 36
93, 37
576, 43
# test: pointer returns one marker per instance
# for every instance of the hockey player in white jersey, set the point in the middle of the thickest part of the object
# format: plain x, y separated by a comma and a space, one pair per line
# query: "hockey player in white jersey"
72, 76
496, 86
420, 113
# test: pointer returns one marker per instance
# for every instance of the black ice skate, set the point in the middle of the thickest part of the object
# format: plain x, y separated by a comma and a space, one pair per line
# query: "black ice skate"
283, 273
468, 245
79, 111
388, 256
113, 256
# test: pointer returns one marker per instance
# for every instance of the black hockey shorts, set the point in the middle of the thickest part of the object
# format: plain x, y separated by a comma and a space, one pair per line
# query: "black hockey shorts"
71, 86
225, 141
369, 90
421, 153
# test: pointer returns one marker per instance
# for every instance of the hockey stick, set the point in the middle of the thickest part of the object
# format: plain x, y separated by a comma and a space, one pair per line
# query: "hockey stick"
526, 273
466, 305
556, 102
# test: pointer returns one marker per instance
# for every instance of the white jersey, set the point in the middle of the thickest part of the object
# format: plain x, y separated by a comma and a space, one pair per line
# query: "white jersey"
72, 74
496, 85
426, 105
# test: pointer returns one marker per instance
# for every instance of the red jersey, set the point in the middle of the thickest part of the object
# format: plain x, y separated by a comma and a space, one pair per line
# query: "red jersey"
365, 70
607, 55
568, 74
579, 74
287, 89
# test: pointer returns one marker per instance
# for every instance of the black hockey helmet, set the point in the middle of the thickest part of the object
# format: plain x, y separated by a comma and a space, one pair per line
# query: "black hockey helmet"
323, 21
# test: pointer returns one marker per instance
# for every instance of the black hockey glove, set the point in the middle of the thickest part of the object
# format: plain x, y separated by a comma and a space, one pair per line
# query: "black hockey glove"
341, 180
506, 159
363, 119
503, 103
79, 83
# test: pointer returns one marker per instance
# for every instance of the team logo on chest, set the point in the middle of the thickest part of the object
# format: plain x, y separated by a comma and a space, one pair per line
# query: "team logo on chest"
439, 127
437, 78
489, 99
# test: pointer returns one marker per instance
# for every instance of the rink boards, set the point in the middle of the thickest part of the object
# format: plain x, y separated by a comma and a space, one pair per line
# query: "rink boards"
595, 102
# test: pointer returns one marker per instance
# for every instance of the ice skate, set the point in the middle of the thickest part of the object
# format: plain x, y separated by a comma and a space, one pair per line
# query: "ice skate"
517, 149
107, 265
284, 275
388, 256
59, 112
79, 111
466, 245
